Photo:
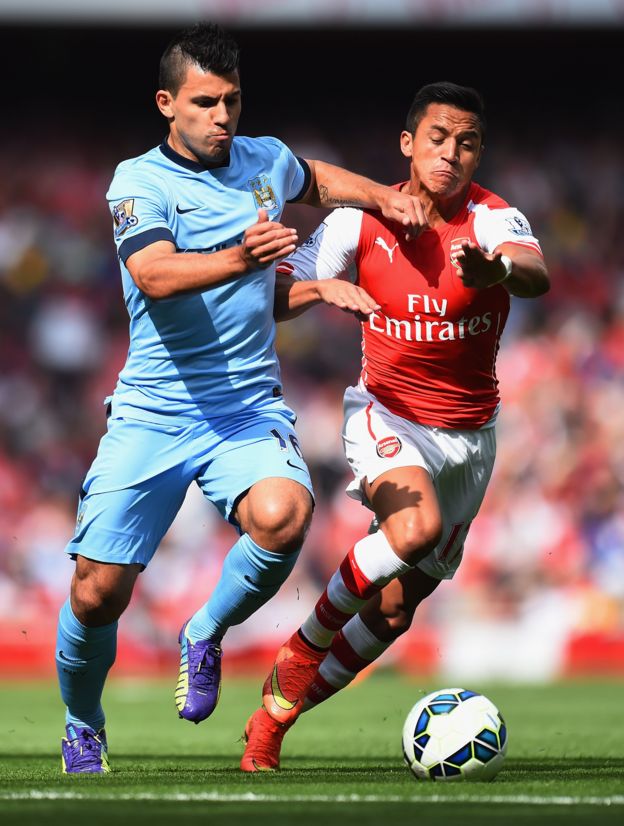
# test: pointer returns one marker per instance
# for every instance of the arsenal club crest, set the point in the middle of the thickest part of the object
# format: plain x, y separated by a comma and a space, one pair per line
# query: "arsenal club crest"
388, 447
456, 247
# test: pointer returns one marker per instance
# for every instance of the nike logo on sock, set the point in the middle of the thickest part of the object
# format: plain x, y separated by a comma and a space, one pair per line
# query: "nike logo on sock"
72, 660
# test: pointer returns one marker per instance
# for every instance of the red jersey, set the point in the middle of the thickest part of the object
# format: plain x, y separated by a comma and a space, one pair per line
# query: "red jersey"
429, 353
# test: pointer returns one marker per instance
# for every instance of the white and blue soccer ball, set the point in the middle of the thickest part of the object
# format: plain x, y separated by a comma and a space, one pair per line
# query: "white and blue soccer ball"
454, 734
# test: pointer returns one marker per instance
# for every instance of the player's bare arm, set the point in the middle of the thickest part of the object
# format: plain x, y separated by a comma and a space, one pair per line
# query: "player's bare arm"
332, 186
160, 272
527, 277
292, 297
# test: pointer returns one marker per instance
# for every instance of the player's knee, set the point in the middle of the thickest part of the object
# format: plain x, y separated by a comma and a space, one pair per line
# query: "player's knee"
98, 601
281, 524
414, 537
94, 607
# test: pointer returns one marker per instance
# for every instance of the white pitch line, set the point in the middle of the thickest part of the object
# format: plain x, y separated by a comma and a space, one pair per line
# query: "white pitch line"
251, 797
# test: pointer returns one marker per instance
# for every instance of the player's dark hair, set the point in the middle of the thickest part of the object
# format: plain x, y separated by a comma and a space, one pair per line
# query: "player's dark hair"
462, 97
205, 44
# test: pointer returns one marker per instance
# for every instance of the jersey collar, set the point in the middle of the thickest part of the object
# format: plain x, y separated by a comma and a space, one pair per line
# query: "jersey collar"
187, 163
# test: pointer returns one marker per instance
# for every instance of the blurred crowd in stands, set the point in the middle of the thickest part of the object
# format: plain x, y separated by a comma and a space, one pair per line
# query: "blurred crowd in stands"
545, 558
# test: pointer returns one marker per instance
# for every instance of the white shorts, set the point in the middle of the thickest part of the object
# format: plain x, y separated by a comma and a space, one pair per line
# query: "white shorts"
459, 462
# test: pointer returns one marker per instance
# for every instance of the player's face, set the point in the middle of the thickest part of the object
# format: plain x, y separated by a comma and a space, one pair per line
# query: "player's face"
203, 116
445, 150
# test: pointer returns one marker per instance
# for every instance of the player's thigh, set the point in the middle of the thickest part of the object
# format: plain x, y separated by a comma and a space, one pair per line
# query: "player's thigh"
131, 493
377, 441
259, 470
406, 504
461, 487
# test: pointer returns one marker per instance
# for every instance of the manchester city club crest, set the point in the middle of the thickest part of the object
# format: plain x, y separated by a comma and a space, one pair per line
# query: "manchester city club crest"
80, 518
123, 217
263, 194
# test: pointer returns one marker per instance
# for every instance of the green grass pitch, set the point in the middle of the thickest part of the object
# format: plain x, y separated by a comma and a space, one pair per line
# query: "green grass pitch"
342, 764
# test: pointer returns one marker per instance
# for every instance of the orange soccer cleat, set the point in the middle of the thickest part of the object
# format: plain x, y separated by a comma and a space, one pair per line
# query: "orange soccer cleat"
293, 673
263, 738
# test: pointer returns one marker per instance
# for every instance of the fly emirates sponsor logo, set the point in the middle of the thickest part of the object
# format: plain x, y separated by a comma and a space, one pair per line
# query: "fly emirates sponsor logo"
429, 329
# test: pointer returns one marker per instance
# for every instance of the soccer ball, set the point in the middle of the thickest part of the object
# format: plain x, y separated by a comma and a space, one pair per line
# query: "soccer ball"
454, 734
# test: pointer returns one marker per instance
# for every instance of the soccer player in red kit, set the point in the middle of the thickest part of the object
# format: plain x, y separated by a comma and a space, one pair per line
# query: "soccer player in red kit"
419, 428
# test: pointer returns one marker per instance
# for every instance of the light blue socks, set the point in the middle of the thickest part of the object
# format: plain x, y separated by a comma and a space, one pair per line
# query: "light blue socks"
250, 576
83, 659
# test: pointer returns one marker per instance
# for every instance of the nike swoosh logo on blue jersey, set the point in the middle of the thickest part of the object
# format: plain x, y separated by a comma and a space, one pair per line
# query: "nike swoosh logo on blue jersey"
183, 211
297, 467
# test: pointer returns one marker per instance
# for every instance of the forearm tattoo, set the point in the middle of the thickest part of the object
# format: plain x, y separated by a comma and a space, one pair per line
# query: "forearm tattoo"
329, 201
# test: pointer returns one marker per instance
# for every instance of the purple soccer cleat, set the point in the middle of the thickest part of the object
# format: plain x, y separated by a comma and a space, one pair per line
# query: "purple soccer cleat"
84, 751
199, 682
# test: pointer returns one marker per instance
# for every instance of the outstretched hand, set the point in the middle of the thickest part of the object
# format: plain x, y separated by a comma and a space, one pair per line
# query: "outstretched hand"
266, 241
406, 210
479, 269
348, 297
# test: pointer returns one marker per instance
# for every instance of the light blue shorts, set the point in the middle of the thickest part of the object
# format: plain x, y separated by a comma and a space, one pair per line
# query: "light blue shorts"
141, 473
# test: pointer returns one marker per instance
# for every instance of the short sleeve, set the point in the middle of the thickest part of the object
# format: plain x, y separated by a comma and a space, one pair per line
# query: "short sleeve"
301, 177
330, 250
139, 209
502, 226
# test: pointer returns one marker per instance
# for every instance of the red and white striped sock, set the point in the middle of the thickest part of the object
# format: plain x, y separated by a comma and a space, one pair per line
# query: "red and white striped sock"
352, 650
364, 571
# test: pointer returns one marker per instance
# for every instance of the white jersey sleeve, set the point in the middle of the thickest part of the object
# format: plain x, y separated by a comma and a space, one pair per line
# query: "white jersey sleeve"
330, 250
493, 227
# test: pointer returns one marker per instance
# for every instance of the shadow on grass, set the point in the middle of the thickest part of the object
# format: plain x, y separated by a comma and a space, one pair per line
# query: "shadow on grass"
342, 761
366, 769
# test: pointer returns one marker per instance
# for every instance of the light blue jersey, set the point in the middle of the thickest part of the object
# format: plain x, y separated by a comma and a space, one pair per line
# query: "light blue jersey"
199, 398
208, 353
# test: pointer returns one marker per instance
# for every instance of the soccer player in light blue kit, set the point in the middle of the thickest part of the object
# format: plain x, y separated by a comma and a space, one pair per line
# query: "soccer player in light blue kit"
196, 223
